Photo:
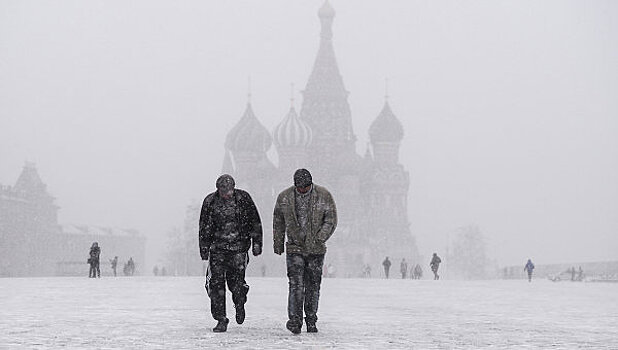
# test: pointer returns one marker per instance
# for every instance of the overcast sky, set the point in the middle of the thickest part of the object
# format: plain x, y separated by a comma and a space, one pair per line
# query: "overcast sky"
510, 108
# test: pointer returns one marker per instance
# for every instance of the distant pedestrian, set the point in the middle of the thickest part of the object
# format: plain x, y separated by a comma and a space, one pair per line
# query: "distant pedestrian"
404, 268
387, 266
93, 260
572, 273
435, 265
529, 268
155, 270
367, 271
306, 215
131, 265
580, 274
114, 263
418, 272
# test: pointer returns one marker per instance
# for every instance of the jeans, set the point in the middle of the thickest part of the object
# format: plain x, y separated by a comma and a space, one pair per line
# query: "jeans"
227, 267
305, 277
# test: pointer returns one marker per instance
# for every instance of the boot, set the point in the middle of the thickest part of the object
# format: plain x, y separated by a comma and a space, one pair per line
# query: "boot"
311, 328
221, 326
240, 313
293, 326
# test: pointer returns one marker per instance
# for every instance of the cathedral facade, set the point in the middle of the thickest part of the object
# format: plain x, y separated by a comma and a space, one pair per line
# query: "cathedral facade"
370, 191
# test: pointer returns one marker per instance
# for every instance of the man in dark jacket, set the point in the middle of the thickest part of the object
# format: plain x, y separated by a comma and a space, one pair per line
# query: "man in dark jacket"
435, 265
529, 268
95, 253
387, 266
229, 225
307, 215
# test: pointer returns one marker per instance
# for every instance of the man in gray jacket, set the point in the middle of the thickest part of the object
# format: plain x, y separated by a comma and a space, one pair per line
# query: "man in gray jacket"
307, 215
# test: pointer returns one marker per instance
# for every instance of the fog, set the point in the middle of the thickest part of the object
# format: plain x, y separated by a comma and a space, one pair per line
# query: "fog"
509, 108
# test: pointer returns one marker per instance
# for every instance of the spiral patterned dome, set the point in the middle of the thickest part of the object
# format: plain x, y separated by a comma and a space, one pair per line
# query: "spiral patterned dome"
292, 132
386, 127
248, 135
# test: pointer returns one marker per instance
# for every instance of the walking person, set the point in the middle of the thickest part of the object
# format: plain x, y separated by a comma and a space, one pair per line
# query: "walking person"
93, 260
435, 265
131, 265
229, 226
114, 263
387, 266
529, 268
306, 214
404, 268
418, 272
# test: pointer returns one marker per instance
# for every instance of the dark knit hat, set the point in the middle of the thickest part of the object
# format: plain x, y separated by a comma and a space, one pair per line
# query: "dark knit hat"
302, 178
225, 182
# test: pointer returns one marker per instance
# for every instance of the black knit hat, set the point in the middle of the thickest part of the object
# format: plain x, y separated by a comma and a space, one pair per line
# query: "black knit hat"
225, 182
302, 178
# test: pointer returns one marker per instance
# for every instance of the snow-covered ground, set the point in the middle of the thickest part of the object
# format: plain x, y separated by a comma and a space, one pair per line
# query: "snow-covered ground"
173, 313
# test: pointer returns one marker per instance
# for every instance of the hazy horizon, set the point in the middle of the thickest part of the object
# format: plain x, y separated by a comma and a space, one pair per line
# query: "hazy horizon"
509, 108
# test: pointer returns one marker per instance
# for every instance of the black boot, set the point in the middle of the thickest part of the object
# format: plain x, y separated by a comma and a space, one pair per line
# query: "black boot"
311, 328
221, 326
240, 313
293, 326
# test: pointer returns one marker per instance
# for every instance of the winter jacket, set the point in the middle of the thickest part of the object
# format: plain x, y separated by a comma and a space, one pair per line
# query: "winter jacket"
248, 224
322, 222
95, 252
435, 262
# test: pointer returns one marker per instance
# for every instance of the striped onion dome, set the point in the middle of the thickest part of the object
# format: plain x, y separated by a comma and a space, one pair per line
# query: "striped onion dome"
292, 132
248, 135
386, 127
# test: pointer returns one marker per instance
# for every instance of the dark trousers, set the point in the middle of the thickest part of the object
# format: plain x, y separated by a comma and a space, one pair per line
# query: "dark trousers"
227, 267
305, 277
94, 270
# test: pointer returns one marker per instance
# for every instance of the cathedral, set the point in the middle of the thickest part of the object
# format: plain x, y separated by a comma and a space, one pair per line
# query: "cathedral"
33, 243
370, 190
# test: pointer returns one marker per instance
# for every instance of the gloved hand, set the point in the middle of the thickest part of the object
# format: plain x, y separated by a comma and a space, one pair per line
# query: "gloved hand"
204, 253
257, 249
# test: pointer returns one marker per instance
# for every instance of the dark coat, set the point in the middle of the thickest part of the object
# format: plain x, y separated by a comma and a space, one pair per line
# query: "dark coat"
95, 252
322, 221
247, 219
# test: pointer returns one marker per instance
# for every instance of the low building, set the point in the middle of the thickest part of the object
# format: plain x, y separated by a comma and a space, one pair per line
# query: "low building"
33, 243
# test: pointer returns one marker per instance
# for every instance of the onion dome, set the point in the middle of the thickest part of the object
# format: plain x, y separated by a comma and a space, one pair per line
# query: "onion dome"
326, 11
248, 135
292, 132
386, 127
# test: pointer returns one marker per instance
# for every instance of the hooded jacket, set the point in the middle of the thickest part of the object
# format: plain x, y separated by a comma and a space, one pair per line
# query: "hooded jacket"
322, 220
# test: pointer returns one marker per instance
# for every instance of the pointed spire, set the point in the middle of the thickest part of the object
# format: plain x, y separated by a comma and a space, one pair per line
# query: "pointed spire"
29, 180
386, 89
227, 167
386, 127
326, 14
292, 95
249, 90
